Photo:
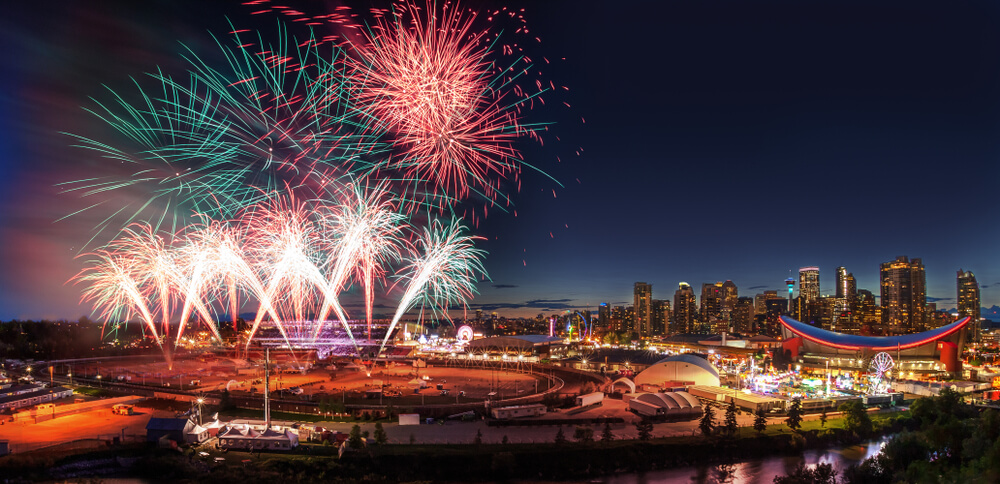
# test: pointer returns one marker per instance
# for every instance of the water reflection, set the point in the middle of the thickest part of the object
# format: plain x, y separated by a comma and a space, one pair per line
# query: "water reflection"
759, 471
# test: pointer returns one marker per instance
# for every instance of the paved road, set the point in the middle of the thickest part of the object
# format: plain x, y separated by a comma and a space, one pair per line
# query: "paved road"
98, 424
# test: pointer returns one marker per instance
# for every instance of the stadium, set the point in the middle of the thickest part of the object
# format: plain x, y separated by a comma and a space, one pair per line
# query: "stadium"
929, 352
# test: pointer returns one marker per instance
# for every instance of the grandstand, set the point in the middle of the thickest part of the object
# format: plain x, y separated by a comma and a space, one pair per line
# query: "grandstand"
332, 339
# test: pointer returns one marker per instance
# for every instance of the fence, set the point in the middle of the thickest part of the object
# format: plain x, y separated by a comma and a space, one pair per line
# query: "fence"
57, 411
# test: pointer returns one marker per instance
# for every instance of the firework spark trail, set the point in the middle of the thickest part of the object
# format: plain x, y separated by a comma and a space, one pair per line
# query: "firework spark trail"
368, 238
146, 249
443, 273
285, 242
199, 270
112, 288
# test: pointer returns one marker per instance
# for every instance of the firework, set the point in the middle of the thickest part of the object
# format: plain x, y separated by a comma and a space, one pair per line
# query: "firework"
216, 142
112, 287
433, 80
369, 234
443, 271
294, 172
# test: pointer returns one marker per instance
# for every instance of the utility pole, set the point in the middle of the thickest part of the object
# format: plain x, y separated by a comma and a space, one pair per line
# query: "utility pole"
267, 388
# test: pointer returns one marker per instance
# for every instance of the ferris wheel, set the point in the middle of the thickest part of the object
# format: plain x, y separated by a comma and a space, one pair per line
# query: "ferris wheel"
878, 371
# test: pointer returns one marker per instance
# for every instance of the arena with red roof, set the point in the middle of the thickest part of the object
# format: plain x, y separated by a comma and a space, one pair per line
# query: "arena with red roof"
928, 352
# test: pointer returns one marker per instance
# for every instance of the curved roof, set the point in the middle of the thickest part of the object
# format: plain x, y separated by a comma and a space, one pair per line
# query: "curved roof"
876, 343
692, 360
624, 380
685, 367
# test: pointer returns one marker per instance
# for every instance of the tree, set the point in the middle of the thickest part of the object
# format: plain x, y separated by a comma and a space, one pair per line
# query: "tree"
505, 440
413, 440
821, 474
354, 438
822, 418
606, 435
380, 437
560, 436
731, 425
794, 419
645, 429
707, 424
479, 437
584, 434
759, 421
856, 418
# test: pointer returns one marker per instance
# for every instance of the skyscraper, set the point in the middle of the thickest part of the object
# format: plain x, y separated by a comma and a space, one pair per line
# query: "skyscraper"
847, 287
809, 284
868, 313
660, 316
619, 319
841, 282
904, 295
643, 294
729, 295
711, 301
968, 301
604, 317
684, 309
743, 316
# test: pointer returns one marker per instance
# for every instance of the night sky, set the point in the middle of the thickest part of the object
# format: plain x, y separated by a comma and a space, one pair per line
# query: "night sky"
731, 140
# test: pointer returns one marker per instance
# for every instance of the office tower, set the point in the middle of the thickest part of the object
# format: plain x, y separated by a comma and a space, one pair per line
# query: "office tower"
743, 315
841, 282
711, 301
843, 317
847, 286
809, 284
660, 317
760, 301
618, 321
643, 298
604, 317
684, 309
791, 288
729, 295
968, 302
904, 297
775, 308
822, 312
867, 312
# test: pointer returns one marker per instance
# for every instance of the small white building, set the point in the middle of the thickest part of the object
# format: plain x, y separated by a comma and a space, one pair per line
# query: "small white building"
195, 434
247, 438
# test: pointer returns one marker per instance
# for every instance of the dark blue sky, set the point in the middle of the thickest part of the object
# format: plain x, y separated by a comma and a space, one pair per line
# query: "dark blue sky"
732, 140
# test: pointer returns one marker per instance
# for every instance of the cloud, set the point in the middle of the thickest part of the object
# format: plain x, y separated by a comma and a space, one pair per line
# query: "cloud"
756, 287
938, 299
542, 304
504, 286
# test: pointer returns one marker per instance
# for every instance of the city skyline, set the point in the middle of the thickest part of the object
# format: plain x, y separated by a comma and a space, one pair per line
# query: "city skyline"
745, 143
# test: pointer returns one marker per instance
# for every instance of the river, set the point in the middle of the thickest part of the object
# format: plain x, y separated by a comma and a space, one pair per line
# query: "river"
757, 471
